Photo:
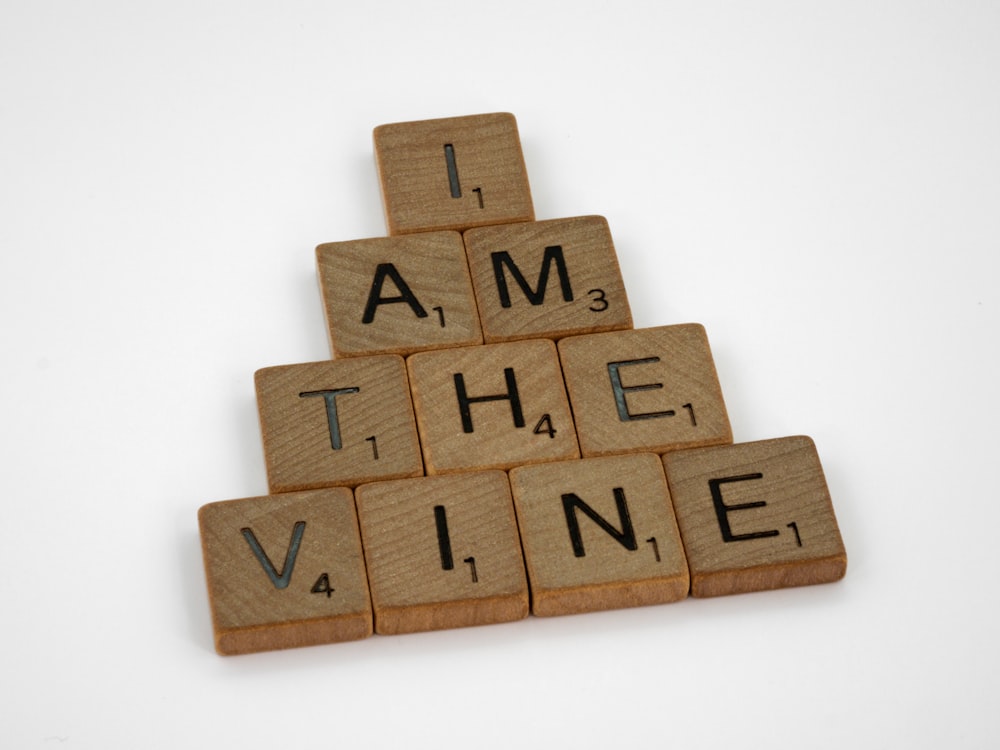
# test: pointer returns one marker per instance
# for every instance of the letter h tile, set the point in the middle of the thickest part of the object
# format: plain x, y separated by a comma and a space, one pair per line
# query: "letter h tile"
494, 406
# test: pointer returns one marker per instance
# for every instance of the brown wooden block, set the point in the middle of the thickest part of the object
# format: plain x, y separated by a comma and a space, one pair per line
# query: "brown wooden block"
452, 173
398, 295
491, 407
598, 533
755, 516
650, 389
547, 279
285, 571
337, 423
442, 552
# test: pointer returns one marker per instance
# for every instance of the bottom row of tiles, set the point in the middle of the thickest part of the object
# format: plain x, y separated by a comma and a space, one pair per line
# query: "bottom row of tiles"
448, 551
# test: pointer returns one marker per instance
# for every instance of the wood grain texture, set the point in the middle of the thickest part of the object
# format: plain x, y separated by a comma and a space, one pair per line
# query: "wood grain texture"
316, 591
755, 516
547, 279
576, 565
649, 389
442, 552
527, 418
337, 423
397, 295
452, 173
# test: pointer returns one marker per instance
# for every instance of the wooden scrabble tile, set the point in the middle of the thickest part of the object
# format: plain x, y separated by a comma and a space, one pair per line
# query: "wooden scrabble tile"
650, 389
398, 295
452, 173
547, 279
442, 552
491, 407
598, 533
337, 423
755, 516
285, 571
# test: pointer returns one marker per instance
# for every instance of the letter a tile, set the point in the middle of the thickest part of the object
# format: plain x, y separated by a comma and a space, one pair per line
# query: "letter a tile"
452, 173
494, 406
398, 295
337, 423
285, 571
755, 516
650, 389
547, 279
442, 552
598, 533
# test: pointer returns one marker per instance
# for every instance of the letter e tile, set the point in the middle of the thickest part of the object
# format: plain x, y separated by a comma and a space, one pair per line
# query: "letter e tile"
337, 423
598, 533
452, 173
398, 295
649, 389
494, 406
755, 516
442, 552
285, 571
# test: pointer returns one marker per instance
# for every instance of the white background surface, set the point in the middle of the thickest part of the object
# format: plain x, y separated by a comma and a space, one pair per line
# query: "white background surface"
818, 184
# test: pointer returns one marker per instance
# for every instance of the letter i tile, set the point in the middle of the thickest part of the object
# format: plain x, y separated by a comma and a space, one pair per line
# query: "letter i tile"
442, 552
337, 423
452, 173
755, 516
285, 571
598, 533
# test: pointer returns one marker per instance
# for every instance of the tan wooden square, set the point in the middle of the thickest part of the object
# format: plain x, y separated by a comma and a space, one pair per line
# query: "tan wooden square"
650, 389
598, 533
547, 279
442, 552
337, 423
285, 571
491, 407
397, 295
755, 516
452, 173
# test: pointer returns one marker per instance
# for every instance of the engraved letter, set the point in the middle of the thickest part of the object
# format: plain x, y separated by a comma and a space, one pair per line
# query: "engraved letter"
616, 385
282, 579
465, 401
444, 540
330, 397
625, 537
722, 510
375, 297
553, 254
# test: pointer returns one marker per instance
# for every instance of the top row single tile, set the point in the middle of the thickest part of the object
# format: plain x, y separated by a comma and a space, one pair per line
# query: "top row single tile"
452, 173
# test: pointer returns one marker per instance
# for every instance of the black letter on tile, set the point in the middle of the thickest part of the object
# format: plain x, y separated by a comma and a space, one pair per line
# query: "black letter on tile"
625, 537
722, 510
553, 254
465, 401
282, 579
330, 397
619, 390
444, 540
375, 297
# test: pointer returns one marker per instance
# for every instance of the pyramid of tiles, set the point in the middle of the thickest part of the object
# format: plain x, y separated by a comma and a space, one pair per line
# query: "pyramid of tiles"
492, 437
